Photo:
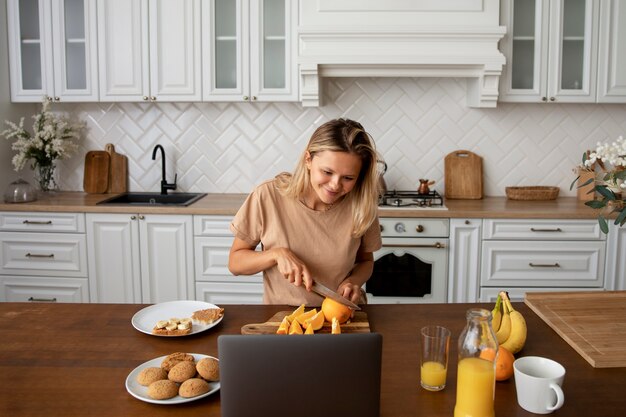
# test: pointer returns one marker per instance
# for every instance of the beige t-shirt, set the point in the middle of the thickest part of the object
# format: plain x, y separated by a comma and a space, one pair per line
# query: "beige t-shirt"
321, 239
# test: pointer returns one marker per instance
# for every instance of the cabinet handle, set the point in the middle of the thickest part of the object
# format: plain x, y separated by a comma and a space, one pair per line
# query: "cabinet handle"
57, 99
558, 229
544, 98
141, 217
133, 217
554, 265
436, 245
35, 255
153, 98
43, 300
36, 222
48, 98
145, 98
253, 98
245, 98
552, 99
467, 222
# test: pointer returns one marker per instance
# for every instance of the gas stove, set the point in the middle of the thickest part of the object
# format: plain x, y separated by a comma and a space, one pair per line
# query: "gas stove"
411, 200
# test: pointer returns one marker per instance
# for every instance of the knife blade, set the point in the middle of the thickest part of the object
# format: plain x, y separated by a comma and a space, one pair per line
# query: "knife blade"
327, 292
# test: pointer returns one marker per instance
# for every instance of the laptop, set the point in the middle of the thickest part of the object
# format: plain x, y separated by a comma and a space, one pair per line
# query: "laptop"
300, 375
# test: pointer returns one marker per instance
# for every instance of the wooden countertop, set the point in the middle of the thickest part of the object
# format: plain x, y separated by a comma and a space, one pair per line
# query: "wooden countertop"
73, 360
228, 204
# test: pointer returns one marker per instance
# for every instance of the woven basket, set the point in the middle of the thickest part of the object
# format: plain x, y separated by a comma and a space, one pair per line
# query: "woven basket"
532, 193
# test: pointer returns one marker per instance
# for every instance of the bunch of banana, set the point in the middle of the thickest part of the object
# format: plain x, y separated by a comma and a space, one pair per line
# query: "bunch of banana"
509, 324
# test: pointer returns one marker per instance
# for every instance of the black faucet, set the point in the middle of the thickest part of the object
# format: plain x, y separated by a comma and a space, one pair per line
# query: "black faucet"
164, 185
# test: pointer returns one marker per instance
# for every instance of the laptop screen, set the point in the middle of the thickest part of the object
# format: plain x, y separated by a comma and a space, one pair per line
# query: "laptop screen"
300, 375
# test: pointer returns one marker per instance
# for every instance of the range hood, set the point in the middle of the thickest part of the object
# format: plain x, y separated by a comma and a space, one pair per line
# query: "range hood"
401, 38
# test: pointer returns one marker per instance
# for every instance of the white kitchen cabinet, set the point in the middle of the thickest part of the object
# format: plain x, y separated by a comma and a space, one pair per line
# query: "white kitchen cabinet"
551, 49
464, 260
149, 50
542, 253
517, 294
616, 258
140, 258
249, 50
43, 257
52, 50
612, 55
214, 282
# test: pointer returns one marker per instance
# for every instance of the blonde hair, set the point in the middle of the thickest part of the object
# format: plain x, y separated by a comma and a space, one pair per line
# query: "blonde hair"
341, 135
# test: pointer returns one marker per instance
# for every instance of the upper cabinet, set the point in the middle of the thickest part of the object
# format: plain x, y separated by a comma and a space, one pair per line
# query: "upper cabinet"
149, 50
52, 50
564, 51
249, 50
612, 52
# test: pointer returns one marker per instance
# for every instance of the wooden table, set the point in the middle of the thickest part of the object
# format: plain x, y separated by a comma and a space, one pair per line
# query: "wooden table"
73, 359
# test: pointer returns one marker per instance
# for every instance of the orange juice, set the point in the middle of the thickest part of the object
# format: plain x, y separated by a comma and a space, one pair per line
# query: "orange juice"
475, 389
433, 374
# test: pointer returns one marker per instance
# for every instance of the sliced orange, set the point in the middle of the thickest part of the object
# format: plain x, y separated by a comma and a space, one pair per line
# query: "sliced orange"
295, 313
335, 326
306, 315
284, 326
309, 330
295, 328
332, 308
316, 322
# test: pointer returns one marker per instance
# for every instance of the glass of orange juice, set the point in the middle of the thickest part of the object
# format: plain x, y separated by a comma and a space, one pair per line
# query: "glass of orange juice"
435, 345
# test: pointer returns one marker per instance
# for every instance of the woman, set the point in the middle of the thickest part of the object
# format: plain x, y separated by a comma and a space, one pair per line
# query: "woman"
318, 224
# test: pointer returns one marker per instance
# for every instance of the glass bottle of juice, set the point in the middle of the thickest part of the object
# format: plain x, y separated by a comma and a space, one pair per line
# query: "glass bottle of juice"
476, 374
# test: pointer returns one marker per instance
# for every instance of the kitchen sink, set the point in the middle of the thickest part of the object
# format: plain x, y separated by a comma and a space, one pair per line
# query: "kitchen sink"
153, 199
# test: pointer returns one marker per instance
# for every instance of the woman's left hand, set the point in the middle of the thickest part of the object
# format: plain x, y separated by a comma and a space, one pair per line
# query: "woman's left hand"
349, 290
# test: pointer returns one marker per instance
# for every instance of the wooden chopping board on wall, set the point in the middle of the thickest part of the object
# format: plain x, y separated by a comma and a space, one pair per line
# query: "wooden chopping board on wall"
96, 174
358, 324
592, 322
463, 175
118, 171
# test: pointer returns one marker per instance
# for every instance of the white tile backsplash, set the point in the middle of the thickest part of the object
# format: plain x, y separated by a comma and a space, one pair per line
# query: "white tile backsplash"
416, 122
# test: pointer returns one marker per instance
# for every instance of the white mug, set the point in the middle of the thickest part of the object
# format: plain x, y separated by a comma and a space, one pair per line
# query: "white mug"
538, 383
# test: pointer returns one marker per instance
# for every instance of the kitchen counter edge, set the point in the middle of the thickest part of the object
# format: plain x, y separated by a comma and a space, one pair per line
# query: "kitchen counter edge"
228, 204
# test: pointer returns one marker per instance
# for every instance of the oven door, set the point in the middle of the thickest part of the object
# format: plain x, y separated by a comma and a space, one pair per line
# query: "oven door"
409, 270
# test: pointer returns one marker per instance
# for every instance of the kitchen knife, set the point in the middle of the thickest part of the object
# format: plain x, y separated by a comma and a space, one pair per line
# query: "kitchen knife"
327, 292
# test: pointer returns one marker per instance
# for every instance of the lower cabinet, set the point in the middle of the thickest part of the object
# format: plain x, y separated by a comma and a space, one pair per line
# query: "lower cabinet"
616, 258
140, 258
464, 260
43, 257
214, 282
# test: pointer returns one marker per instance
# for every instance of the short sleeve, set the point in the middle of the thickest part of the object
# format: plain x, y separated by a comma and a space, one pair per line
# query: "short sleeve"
247, 224
371, 240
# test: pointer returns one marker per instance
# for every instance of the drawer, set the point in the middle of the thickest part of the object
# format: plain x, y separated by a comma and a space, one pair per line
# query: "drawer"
542, 264
211, 259
220, 293
212, 226
489, 295
37, 289
42, 222
48, 254
542, 229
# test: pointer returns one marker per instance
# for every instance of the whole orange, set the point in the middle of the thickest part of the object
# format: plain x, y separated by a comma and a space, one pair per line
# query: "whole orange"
504, 364
332, 308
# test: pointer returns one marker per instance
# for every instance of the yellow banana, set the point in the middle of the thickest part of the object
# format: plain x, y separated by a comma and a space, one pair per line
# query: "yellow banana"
517, 338
504, 331
496, 314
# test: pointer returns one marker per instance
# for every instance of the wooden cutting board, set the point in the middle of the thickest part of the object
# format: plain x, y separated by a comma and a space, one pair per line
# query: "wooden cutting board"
118, 170
463, 175
358, 324
592, 322
96, 174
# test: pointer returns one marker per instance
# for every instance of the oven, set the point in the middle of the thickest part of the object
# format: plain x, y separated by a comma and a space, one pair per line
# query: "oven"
412, 265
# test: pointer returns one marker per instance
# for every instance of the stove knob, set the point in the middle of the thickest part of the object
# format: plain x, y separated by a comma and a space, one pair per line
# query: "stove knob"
400, 228
382, 228
419, 228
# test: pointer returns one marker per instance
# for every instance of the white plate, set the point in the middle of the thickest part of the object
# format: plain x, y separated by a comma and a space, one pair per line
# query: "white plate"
141, 393
145, 319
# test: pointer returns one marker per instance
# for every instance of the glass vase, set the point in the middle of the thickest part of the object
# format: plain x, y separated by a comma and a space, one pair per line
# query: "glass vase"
44, 175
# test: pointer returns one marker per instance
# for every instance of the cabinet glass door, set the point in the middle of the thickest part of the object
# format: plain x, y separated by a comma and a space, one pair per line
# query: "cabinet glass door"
524, 74
274, 44
75, 44
30, 39
225, 44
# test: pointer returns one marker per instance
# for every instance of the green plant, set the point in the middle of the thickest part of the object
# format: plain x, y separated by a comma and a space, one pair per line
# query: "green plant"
608, 163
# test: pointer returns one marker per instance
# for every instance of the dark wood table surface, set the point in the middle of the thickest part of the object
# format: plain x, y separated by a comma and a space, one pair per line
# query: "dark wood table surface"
73, 359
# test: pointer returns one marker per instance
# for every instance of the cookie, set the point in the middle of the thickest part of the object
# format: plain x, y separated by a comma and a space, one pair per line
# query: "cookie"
193, 387
182, 371
209, 369
149, 375
171, 360
163, 389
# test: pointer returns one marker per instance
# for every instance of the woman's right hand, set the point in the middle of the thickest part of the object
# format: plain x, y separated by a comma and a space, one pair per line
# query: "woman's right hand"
292, 268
